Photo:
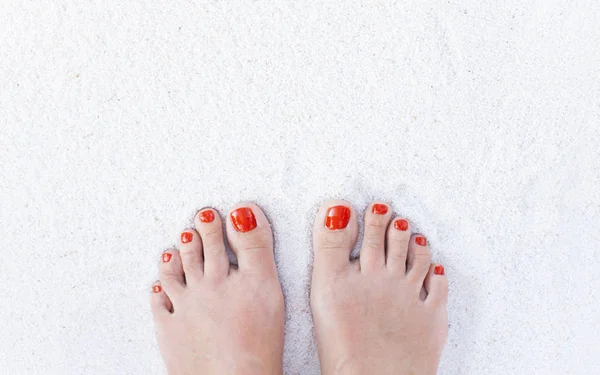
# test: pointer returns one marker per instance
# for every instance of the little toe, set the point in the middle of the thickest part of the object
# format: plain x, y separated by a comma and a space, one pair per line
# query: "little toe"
372, 253
208, 224
171, 273
334, 235
251, 239
398, 239
418, 260
159, 302
436, 285
190, 248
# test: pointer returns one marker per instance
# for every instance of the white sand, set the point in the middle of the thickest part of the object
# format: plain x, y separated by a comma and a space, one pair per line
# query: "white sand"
477, 120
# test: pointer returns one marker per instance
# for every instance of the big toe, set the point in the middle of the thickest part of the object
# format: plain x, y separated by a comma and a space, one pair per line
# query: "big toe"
334, 235
251, 239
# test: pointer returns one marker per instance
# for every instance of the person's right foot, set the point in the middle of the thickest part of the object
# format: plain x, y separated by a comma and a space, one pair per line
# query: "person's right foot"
382, 314
214, 318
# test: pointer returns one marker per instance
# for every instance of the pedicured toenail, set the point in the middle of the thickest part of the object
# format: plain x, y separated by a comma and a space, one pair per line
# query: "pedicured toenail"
206, 216
421, 241
187, 237
243, 219
439, 270
166, 257
401, 224
337, 217
380, 209
157, 288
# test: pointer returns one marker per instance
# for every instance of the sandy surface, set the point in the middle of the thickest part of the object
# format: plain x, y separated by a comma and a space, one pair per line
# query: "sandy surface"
478, 120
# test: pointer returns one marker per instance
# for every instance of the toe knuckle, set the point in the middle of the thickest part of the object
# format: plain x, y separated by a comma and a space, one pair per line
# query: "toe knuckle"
398, 237
213, 237
376, 223
190, 256
214, 231
255, 246
332, 242
372, 245
424, 257
169, 275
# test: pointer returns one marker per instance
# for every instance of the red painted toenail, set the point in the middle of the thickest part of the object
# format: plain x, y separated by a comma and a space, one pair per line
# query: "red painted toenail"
207, 216
380, 209
337, 217
401, 224
166, 258
187, 237
422, 241
243, 219
439, 270
157, 288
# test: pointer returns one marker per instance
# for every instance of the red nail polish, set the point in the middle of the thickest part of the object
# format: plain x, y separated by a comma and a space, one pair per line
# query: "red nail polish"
421, 241
380, 209
439, 270
401, 224
337, 217
187, 237
157, 288
166, 257
207, 216
243, 219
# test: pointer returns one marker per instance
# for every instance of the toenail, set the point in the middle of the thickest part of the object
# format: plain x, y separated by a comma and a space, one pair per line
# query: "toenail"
337, 217
439, 270
207, 216
157, 288
380, 209
421, 241
401, 224
243, 219
166, 257
186, 237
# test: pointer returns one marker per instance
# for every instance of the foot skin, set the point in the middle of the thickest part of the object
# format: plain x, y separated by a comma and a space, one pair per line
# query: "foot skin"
213, 318
384, 313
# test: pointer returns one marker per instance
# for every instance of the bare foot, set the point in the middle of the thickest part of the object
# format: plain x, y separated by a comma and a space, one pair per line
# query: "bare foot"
213, 318
382, 314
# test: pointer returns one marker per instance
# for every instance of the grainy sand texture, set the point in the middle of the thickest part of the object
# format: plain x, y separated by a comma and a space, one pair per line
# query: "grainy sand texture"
477, 120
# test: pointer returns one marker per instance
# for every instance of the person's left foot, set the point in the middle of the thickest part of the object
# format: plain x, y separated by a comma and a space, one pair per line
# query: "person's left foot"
384, 313
213, 318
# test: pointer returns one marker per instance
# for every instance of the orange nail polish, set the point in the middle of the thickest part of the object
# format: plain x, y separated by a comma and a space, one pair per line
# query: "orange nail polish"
439, 270
380, 209
421, 241
401, 224
157, 288
187, 237
166, 257
243, 219
207, 216
337, 217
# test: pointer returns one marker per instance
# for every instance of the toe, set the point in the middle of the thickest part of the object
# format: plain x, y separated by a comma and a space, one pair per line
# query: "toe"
190, 247
436, 284
372, 253
159, 302
171, 273
251, 239
419, 259
334, 235
398, 239
208, 224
